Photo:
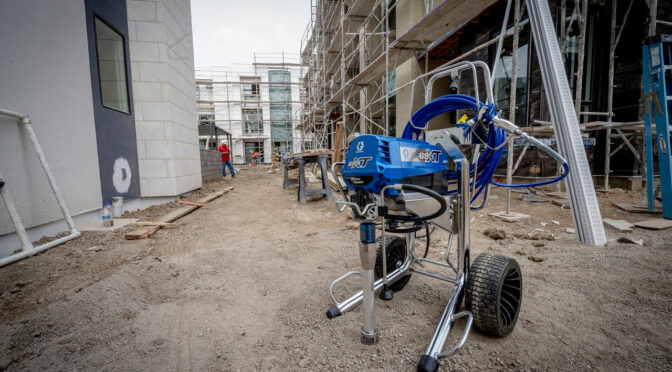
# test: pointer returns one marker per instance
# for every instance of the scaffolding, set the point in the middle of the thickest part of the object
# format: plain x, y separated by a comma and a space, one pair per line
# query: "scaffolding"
256, 107
351, 50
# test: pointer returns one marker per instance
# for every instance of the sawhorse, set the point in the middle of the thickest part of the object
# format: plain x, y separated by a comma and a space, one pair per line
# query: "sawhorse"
301, 160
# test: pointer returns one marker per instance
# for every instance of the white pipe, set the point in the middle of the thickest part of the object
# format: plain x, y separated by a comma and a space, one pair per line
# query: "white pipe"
16, 219
28, 249
50, 175
23, 254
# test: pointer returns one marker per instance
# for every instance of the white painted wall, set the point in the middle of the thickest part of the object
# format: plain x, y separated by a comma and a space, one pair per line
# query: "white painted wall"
44, 71
162, 68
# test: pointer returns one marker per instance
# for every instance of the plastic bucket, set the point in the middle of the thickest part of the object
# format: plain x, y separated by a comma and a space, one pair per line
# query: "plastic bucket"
117, 206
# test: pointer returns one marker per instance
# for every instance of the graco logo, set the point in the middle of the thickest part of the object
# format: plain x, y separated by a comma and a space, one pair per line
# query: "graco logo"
360, 146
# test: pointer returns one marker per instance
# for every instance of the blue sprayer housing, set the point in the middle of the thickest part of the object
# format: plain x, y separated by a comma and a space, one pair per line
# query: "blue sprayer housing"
373, 162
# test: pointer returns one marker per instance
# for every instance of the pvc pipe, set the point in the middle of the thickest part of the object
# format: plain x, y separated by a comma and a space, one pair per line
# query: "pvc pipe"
28, 249
16, 219
23, 254
50, 175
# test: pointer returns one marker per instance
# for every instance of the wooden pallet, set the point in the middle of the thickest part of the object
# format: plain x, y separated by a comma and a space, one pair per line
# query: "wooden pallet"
146, 232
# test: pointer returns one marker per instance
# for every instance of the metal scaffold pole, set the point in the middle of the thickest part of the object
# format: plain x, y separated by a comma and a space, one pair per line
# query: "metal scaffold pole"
512, 100
583, 201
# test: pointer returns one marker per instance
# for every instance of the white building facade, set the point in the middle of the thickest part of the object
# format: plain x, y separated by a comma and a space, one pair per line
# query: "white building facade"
109, 85
257, 104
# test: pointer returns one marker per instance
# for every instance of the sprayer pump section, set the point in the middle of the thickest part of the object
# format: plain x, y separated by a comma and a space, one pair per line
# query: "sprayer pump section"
398, 186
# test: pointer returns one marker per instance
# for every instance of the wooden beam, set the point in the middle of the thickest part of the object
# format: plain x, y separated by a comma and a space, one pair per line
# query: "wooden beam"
146, 232
192, 203
150, 223
338, 142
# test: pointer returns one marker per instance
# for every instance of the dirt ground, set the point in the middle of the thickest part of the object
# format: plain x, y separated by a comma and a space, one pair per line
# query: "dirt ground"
242, 284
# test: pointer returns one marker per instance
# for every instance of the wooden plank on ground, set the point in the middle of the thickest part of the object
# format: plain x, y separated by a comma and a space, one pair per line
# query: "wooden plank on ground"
192, 203
654, 224
146, 232
151, 223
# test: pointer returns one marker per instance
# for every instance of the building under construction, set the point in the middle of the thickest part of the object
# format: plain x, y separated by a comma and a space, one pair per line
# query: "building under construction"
361, 56
254, 108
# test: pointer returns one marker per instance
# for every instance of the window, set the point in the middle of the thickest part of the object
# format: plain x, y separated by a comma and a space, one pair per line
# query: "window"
204, 92
206, 119
252, 122
111, 67
250, 87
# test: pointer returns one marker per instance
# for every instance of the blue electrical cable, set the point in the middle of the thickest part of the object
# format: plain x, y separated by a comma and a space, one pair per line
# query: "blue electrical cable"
496, 137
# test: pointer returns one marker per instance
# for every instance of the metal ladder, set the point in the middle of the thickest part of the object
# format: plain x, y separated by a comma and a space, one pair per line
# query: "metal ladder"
582, 198
657, 74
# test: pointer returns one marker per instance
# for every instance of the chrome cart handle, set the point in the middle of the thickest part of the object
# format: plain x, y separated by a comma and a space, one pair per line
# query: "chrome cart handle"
333, 284
467, 328
338, 182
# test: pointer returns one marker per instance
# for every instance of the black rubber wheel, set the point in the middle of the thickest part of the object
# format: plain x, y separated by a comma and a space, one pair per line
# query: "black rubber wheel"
396, 255
494, 293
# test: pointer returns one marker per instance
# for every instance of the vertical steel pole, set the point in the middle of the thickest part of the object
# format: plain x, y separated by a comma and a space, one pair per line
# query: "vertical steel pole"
581, 57
610, 94
512, 100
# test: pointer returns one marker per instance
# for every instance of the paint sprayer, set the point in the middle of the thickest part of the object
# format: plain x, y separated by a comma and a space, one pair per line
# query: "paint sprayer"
397, 187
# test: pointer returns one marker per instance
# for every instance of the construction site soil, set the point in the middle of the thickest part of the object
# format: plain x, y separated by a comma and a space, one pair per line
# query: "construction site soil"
242, 284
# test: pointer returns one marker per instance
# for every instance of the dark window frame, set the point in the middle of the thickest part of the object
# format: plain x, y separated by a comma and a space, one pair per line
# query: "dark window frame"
96, 16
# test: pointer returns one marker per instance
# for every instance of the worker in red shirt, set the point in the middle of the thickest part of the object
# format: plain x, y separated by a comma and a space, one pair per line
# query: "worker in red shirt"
226, 159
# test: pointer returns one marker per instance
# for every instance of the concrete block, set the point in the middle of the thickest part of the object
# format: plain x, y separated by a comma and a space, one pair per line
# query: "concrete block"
131, 31
162, 187
152, 71
150, 31
135, 70
141, 148
149, 130
188, 183
147, 91
153, 168
620, 225
156, 111
144, 51
141, 10
160, 149
144, 187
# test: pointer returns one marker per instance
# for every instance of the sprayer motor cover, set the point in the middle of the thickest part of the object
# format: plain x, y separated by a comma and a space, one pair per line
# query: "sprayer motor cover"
373, 162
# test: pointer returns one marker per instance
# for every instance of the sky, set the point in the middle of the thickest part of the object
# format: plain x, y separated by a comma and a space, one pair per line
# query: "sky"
229, 31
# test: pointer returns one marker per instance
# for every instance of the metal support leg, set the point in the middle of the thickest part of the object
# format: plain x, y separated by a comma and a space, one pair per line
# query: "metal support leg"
430, 361
367, 254
322, 160
302, 180
285, 183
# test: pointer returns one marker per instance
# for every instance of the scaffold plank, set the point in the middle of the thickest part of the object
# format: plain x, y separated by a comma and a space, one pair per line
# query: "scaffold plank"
376, 68
448, 15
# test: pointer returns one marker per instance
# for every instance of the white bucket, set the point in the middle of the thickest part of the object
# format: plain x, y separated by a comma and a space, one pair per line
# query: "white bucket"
117, 206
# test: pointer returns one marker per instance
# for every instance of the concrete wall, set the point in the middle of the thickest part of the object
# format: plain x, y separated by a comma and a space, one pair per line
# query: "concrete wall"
44, 71
211, 165
162, 64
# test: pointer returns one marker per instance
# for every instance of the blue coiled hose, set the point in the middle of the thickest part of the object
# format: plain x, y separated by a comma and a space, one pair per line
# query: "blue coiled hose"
492, 155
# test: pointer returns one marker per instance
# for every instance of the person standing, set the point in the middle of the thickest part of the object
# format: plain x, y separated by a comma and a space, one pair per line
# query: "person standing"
226, 159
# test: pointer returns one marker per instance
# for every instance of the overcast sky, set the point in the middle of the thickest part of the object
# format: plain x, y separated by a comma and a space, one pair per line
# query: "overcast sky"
229, 31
